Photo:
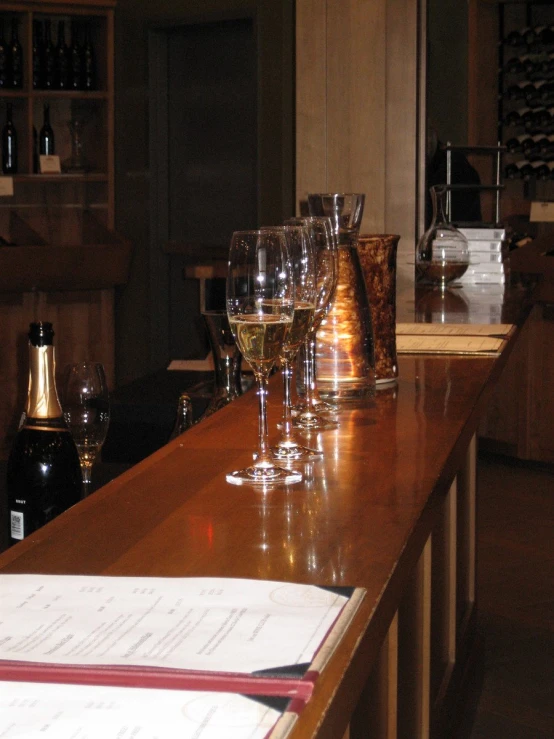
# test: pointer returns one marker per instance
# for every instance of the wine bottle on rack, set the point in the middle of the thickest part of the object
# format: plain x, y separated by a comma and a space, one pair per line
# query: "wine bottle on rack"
519, 117
9, 143
4, 58
62, 65
44, 474
46, 135
76, 59
517, 143
16, 57
514, 170
518, 91
534, 144
49, 61
38, 54
89, 61
514, 38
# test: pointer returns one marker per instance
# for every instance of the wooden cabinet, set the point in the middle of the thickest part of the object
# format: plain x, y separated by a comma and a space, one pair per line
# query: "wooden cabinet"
61, 259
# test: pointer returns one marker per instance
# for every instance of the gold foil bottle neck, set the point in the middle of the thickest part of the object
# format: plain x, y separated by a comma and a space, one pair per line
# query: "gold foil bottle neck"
42, 399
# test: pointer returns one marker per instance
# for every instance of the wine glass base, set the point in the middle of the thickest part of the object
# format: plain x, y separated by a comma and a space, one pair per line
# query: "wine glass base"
263, 476
313, 422
293, 452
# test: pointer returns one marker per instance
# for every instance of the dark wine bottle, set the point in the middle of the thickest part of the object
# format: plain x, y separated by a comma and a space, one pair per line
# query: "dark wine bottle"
89, 61
514, 38
49, 61
38, 54
76, 59
46, 135
517, 143
534, 144
62, 65
16, 57
518, 117
9, 144
4, 58
44, 474
514, 170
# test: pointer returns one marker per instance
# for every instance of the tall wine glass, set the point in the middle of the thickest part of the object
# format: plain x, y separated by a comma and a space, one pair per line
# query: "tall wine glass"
326, 256
302, 257
86, 409
260, 307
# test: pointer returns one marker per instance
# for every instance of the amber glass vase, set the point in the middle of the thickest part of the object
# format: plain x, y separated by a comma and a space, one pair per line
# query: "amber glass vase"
377, 254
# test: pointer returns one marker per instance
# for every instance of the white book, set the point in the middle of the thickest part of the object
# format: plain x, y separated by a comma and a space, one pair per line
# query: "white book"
486, 234
479, 245
485, 257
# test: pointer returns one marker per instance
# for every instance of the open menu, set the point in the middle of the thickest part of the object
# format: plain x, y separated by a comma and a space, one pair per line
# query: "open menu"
207, 634
451, 338
49, 711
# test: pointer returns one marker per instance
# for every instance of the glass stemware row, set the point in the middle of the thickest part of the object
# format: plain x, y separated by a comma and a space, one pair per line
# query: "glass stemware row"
280, 281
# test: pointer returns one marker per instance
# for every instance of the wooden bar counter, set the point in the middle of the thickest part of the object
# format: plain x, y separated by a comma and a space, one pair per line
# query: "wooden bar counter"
390, 507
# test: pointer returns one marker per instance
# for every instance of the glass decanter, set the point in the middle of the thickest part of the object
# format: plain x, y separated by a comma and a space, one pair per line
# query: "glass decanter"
442, 254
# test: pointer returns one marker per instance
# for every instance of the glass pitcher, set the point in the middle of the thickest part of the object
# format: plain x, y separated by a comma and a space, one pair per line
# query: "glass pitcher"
442, 254
345, 366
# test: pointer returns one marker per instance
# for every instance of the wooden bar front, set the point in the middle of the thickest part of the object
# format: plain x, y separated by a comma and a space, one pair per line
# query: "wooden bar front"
390, 507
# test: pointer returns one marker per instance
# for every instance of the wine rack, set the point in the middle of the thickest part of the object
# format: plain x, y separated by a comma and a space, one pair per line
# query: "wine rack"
89, 183
526, 95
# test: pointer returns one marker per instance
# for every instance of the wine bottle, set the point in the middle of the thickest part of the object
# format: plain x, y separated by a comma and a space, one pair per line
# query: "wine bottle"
62, 64
517, 143
4, 58
534, 144
89, 62
46, 135
183, 417
9, 144
38, 53
518, 117
76, 59
44, 474
49, 62
16, 57
514, 38
513, 170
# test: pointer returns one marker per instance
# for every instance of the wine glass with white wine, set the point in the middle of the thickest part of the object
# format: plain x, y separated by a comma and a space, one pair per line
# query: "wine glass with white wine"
260, 307
86, 409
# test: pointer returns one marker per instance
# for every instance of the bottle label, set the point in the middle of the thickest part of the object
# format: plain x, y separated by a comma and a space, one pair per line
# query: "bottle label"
16, 524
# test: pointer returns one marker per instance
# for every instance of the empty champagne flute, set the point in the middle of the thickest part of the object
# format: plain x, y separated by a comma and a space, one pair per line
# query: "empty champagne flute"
86, 409
302, 257
311, 408
260, 307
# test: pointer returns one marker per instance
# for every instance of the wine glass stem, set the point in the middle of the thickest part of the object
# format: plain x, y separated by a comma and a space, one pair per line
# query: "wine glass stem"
86, 470
263, 447
310, 369
287, 410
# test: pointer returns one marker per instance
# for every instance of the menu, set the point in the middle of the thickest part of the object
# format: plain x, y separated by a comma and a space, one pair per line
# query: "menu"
451, 338
48, 711
219, 634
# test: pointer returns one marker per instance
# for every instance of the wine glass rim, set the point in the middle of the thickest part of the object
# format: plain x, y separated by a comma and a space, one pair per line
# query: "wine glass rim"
257, 231
336, 195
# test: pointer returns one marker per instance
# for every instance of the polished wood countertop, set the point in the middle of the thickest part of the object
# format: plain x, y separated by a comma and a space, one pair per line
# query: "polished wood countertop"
359, 518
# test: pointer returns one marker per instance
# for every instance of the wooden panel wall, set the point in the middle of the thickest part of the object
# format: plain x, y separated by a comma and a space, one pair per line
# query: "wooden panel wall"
358, 108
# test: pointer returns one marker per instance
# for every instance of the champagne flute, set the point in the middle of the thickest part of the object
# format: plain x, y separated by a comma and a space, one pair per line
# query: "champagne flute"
302, 257
326, 254
86, 409
260, 307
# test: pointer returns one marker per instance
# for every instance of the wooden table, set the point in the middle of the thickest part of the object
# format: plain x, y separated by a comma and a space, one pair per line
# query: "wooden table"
391, 507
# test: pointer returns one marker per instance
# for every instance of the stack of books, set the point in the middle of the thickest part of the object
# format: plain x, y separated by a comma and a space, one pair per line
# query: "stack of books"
486, 256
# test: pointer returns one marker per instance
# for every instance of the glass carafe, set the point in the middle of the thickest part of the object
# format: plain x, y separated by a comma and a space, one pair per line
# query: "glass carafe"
442, 254
345, 366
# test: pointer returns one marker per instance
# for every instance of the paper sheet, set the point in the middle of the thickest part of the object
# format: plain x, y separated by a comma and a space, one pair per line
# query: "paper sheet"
48, 711
426, 344
207, 624
454, 329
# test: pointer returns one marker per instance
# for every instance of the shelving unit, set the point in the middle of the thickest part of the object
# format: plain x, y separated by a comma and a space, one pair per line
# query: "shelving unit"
526, 87
64, 258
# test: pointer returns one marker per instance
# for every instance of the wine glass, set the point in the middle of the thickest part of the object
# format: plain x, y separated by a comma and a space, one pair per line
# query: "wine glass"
302, 258
86, 409
326, 257
260, 307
